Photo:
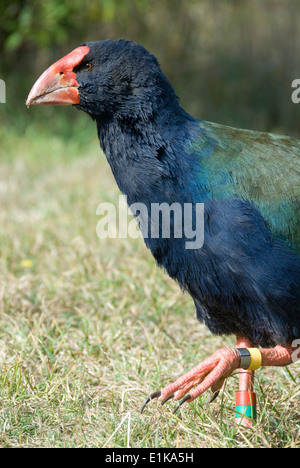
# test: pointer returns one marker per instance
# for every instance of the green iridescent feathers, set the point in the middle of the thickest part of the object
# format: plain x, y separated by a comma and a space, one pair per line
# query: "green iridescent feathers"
260, 167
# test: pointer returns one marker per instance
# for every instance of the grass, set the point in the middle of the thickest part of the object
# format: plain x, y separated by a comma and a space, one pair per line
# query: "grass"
89, 327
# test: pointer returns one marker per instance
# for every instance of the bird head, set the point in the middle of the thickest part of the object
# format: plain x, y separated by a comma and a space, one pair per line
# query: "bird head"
106, 79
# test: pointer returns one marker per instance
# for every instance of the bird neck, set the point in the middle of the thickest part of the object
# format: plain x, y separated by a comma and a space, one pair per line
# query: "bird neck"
144, 153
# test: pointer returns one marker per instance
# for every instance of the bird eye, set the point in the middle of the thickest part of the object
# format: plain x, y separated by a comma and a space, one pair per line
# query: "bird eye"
88, 66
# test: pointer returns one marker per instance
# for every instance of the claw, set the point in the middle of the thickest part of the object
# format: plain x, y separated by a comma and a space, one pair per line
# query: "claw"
150, 397
186, 398
167, 399
215, 395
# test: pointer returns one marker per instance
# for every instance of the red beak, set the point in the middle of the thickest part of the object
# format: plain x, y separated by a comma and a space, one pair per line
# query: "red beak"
58, 85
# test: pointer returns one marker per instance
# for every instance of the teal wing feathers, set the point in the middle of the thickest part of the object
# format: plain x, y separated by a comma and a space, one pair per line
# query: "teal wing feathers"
260, 167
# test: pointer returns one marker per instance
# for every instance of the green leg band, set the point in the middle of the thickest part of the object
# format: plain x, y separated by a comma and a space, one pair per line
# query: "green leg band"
244, 410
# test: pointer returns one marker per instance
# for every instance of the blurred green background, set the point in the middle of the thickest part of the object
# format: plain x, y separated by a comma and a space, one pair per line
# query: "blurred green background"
230, 61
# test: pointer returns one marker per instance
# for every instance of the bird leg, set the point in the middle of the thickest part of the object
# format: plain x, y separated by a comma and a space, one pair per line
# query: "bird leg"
245, 393
213, 372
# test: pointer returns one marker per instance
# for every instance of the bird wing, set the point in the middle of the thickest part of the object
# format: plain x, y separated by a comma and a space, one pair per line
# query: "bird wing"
259, 167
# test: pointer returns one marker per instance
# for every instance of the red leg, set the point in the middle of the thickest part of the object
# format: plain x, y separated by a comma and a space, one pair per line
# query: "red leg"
212, 372
278, 356
246, 384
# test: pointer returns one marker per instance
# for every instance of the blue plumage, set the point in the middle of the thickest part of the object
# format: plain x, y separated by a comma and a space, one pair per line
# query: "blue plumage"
246, 278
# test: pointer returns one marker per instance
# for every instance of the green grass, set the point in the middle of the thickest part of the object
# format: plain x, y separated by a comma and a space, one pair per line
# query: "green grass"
89, 327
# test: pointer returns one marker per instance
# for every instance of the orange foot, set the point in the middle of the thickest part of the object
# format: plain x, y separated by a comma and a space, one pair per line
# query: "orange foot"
213, 371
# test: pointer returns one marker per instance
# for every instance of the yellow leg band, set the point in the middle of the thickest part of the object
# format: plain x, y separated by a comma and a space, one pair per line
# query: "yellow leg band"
256, 358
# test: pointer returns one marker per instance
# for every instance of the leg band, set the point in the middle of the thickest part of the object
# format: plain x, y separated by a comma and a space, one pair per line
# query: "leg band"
245, 405
251, 358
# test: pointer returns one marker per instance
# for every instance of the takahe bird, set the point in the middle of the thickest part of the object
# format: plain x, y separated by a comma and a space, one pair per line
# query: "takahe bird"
245, 278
